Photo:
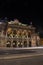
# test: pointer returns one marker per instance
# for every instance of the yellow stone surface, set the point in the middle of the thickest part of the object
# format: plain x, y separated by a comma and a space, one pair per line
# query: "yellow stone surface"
41, 41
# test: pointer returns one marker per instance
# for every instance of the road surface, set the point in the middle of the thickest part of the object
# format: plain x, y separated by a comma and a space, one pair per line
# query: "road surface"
21, 57
33, 60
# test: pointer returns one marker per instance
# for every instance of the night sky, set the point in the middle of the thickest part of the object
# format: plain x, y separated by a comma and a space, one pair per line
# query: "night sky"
24, 10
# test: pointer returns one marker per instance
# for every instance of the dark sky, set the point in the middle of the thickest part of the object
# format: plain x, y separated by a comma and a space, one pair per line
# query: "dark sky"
24, 10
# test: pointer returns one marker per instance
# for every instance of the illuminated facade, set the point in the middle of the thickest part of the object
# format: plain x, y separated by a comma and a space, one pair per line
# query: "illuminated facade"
17, 35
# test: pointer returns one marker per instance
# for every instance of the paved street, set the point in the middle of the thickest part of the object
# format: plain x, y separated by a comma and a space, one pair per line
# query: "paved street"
34, 60
24, 56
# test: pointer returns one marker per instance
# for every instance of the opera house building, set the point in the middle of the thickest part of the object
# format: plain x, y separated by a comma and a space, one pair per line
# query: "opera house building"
17, 34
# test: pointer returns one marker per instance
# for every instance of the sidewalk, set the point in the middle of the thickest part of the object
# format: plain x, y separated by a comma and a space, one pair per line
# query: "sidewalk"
23, 48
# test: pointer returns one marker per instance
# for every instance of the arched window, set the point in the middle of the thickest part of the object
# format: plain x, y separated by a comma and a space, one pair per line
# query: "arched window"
25, 43
14, 43
14, 33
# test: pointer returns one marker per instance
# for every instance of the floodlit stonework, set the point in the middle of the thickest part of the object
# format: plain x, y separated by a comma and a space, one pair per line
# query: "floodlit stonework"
17, 34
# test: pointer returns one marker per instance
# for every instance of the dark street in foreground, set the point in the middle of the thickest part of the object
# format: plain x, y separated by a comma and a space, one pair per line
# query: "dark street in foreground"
21, 57
35, 60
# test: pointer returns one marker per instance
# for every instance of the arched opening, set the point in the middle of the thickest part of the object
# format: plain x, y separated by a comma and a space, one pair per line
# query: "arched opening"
29, 33
29, 43
9, 31
24, 34
20, 44
25, 43
14, 33
14, 43
8, 44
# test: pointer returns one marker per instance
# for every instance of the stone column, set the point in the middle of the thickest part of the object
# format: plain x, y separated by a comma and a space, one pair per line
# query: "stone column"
17, 39
17, 36
27, 40
5, 39
23, 38
12, 38
1, 38
33, 41
22, 42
